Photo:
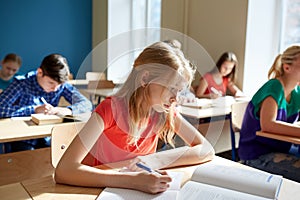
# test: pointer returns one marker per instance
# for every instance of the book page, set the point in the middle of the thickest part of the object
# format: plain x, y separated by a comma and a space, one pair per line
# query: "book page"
199, 191
128, 194
244, 180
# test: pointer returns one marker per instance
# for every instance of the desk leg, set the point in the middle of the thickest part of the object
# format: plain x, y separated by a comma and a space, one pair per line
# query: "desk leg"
232, 133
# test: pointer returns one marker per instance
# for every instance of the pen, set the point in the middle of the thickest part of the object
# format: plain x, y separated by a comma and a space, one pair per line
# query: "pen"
148, 169
43, 100
216, 91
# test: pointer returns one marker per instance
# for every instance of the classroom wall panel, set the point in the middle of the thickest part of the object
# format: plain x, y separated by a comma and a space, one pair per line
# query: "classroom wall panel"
218, 26
36, 28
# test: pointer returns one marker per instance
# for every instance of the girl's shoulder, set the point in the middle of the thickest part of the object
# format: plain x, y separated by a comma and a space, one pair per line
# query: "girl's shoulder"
111, 105
272, 88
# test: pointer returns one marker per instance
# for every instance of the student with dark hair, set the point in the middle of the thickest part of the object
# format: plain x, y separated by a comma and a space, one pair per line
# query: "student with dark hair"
220, 79
24, 95
11, 64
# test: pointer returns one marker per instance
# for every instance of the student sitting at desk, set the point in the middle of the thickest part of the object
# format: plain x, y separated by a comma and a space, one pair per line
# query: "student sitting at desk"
274, 108
216, 82
10, 66
127, 126
25, 95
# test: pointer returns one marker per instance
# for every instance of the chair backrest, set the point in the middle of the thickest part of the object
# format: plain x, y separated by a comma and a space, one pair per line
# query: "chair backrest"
237, 113
61, 137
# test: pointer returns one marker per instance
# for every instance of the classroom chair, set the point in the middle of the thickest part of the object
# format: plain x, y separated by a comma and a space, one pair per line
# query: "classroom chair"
237, 114
61, 138
99, 84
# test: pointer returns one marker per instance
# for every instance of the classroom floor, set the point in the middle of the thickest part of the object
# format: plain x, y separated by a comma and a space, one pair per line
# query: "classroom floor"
227, 155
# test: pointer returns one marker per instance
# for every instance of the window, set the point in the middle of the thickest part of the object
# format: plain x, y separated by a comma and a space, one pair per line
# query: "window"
290, 31
272, 25
132, 24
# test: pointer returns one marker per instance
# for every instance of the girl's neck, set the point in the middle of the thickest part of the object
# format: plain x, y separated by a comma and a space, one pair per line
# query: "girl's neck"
288, 86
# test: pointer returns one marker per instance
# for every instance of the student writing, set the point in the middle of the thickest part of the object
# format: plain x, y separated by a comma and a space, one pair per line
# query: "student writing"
127, 126
23, 95
274, 108
220, 79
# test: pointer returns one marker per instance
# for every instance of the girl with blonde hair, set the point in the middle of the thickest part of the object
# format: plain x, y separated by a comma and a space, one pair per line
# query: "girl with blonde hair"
274, 108
125, 128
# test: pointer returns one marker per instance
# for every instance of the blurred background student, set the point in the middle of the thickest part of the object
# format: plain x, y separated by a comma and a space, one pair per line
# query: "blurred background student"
274, 108
220, 79
11, 64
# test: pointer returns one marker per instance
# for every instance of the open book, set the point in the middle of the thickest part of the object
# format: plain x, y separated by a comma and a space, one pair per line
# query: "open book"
127, 194
211, 181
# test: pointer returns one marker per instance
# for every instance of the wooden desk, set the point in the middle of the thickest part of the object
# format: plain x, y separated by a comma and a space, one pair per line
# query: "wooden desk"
16, 130
21, 128
199, 113
286, 138
213, 122
14, 191
45, 188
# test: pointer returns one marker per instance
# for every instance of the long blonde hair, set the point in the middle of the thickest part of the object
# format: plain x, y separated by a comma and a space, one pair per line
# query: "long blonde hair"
163, 64
287, 57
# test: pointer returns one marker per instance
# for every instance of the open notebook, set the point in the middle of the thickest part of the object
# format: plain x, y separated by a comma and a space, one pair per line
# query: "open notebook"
212, 182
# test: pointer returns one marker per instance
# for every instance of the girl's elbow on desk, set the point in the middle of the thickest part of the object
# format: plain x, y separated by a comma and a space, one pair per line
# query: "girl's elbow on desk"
202, 153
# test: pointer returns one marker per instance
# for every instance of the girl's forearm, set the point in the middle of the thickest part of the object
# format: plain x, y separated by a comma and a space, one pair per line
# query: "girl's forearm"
180, 156
84, 175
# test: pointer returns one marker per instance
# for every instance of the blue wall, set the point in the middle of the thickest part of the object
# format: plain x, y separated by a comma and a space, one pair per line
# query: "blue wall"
36, 28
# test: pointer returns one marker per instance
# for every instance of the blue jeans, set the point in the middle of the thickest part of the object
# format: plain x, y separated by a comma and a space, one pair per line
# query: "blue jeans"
27, 145
283, 164
1, 148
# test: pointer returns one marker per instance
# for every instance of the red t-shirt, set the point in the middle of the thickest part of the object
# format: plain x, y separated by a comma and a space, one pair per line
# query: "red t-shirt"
211, 83
112, 145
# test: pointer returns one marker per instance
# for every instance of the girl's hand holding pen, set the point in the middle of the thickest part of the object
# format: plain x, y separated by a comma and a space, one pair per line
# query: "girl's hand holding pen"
149, 180
152, 183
